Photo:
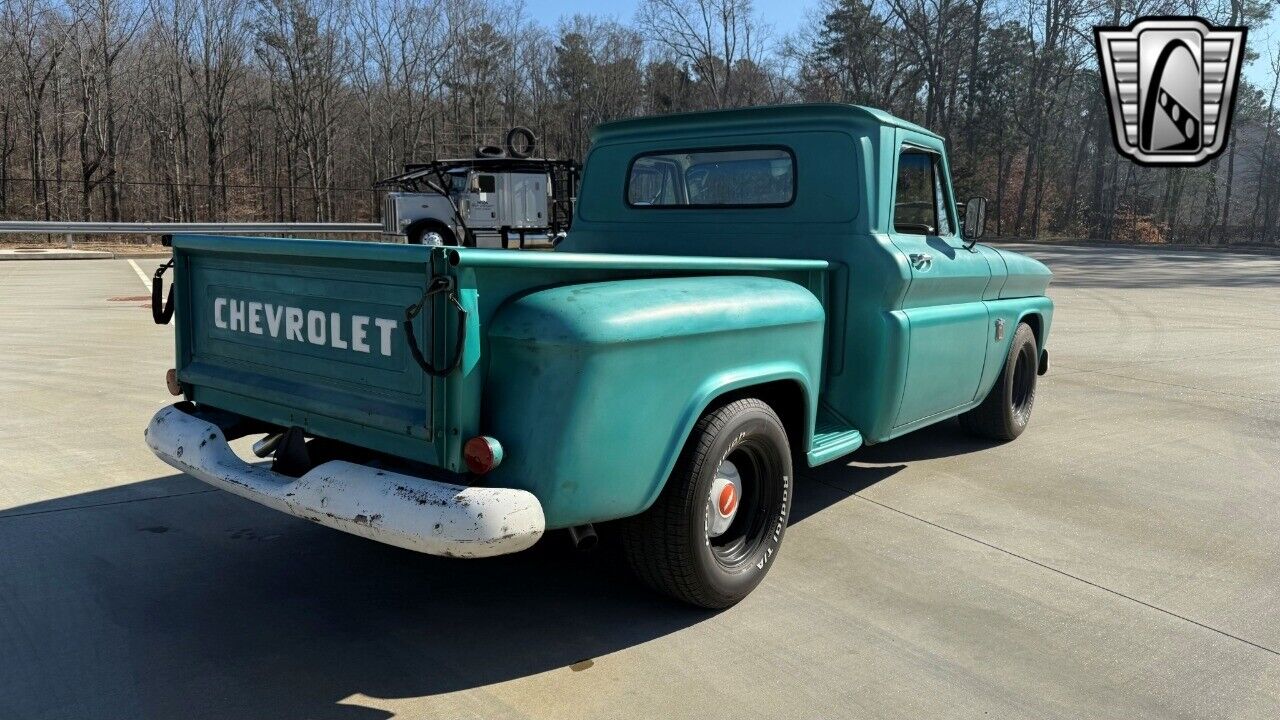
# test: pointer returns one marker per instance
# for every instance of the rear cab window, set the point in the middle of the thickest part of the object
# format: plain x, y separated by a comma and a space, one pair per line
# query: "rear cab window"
919, 203
715, 178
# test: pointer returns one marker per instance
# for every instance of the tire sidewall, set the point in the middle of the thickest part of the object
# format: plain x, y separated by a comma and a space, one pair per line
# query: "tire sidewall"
1022, 338
764, 430
531, 142
422, 227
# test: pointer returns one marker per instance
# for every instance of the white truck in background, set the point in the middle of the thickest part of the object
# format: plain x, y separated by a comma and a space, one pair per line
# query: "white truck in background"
498, 199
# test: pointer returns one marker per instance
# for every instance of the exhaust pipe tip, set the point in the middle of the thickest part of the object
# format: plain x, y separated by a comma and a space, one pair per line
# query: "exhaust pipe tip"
267, 445
583, 537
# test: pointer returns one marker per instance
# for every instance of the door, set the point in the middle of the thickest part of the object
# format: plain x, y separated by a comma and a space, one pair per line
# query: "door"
483, 197
948, 320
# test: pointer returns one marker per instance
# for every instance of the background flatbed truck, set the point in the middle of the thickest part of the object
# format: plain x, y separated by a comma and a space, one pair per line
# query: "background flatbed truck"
743, 292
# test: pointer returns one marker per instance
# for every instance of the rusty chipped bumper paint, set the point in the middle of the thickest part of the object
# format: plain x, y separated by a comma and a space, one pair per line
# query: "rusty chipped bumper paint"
411, 512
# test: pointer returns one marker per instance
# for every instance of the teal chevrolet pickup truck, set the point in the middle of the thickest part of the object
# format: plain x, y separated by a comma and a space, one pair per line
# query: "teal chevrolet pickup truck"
744, 293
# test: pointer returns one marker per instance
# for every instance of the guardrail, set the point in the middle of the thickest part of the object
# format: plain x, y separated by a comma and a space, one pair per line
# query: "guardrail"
148, 228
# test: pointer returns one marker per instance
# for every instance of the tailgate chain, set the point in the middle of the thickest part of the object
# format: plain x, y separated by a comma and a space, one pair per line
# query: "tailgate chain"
161, 313
438, 284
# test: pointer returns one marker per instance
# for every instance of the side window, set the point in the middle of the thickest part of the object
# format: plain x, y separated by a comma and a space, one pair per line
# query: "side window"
487, 183
919, 203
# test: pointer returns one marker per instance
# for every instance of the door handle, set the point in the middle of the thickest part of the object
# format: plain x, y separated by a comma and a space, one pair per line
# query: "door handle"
921, 261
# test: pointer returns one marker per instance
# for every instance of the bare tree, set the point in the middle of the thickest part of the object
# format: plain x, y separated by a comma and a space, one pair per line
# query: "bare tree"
104, 30
216, 66
711, 37
290, 109
301, 48
37, 35
1264, 162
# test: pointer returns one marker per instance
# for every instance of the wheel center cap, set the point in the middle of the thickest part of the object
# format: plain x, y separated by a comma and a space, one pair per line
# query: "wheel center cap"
728, 501
726, 492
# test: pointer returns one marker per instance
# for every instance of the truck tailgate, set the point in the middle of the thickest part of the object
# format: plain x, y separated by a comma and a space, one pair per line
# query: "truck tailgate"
309, 333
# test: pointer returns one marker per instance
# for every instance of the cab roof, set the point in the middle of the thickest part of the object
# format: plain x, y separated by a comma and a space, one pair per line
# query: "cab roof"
764, 118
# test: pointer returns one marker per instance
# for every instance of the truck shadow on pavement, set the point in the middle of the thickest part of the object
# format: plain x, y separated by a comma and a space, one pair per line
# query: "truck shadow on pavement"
169, 599
201, 604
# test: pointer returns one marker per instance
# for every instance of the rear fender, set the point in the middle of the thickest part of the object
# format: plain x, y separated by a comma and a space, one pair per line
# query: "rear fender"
593, 389
729, 383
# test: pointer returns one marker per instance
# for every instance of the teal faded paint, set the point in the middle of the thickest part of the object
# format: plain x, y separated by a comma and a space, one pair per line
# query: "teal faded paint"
907, 347
625, 367
591, 363
384, 402
494, 280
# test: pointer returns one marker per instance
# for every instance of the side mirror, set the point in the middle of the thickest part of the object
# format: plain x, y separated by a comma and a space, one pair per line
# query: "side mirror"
975, 219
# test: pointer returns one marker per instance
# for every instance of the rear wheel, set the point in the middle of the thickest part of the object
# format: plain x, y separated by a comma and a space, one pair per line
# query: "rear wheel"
1006, 410
712, 534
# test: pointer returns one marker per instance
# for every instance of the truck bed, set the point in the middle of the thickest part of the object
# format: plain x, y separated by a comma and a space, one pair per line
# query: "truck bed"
309, 333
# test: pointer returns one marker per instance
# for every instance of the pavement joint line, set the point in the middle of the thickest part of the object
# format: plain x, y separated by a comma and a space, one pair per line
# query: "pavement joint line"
1184, 387
1103, 371
1050, 568
146, 283
90, 506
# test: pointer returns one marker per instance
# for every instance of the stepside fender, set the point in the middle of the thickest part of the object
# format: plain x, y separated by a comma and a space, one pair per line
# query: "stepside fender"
729, 382
593, 388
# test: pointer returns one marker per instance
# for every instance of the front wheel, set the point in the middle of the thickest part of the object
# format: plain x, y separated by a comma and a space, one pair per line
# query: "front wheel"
716, 528
1006, 411
429, 232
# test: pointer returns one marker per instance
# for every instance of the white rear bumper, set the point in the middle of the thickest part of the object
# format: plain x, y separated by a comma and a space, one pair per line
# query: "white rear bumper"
406, 511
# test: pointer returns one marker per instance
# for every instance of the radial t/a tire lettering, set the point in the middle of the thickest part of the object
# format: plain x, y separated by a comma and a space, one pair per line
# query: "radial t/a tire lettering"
714, 532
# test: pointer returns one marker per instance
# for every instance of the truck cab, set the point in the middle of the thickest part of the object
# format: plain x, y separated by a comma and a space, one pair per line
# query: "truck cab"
742, 292
914, 305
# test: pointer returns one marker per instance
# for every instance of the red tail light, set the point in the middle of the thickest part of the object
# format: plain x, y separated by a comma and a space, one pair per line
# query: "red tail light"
171, 382
482, 454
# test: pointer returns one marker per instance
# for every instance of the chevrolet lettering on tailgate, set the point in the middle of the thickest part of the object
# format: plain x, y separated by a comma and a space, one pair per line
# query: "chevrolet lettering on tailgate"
302, 325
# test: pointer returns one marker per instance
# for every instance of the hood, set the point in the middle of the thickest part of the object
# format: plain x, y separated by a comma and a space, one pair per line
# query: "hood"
1027, 277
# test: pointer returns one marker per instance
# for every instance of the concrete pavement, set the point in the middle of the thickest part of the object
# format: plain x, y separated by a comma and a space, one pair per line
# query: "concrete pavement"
1121, 559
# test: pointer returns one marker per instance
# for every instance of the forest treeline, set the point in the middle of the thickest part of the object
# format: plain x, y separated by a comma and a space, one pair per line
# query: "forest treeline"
289, 110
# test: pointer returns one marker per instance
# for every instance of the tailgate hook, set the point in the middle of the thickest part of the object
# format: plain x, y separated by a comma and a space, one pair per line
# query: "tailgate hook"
439, 284
161, 313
